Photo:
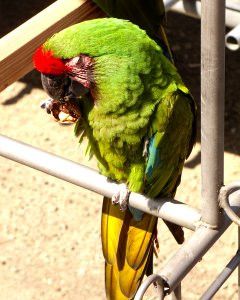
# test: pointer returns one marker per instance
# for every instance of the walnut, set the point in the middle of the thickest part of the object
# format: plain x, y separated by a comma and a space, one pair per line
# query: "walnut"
67, 112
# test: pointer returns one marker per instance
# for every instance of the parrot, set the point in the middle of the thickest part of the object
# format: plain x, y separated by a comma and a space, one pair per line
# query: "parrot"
118, 86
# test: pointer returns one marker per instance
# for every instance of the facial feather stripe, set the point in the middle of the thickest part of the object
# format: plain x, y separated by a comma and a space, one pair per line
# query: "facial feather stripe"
45, 62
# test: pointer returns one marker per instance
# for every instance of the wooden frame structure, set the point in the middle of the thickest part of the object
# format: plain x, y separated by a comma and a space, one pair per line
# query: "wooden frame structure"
17, 47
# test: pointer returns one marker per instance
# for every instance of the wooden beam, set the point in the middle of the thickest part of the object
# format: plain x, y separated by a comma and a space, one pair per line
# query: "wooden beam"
17, 47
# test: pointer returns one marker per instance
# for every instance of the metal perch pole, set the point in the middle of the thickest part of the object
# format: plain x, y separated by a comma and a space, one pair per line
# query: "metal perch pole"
65, 169
212, 106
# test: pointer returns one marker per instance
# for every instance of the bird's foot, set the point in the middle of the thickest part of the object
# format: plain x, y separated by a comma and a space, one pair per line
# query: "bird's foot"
121, 197
47, 104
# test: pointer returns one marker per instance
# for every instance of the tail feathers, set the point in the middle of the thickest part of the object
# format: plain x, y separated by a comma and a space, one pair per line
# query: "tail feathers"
111, 228
127, 248
140, 239
113, 290
130, 279
123, 283
176, 231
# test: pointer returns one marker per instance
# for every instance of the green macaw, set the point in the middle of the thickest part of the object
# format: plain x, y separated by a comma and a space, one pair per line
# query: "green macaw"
127, 98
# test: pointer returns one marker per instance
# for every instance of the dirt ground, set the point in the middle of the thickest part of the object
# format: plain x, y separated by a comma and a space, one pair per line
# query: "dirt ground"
50, 245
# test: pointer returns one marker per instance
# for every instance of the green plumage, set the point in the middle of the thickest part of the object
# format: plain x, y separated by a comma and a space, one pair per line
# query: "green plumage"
137, 89
140, 122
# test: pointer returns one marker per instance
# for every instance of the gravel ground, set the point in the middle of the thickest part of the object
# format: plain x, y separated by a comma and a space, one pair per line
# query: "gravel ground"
50, 229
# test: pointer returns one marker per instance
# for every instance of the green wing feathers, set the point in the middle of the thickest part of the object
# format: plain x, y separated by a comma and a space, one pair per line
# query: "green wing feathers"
170, 144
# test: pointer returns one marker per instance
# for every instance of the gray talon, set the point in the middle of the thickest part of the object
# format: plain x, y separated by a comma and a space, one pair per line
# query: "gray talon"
47, 104
145, 149
121, 197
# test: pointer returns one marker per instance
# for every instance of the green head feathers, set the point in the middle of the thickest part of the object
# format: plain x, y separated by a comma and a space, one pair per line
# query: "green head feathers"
98, 37
95, 38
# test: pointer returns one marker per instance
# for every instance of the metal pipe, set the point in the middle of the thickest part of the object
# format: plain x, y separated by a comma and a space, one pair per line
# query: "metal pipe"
191, 252
233, 4
223, 200
153, 278
232, 39
177, 293
169, 3
194, 10
191, 7
212, 106
169, 209
222, 277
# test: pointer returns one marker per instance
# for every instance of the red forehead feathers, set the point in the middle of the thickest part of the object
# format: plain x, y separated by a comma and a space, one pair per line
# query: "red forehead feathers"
45, 62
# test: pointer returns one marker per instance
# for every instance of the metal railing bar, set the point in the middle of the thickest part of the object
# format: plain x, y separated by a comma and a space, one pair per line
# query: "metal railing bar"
225, 191
169, 209
192, 251
212, 106
157, 280
222, 277
232, 38
169, 3
177, 293
233, 5
195, 247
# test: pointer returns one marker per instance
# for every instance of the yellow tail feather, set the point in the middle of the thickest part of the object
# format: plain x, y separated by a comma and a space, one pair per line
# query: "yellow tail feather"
113, 291
139, 239
111, 226
127, 245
